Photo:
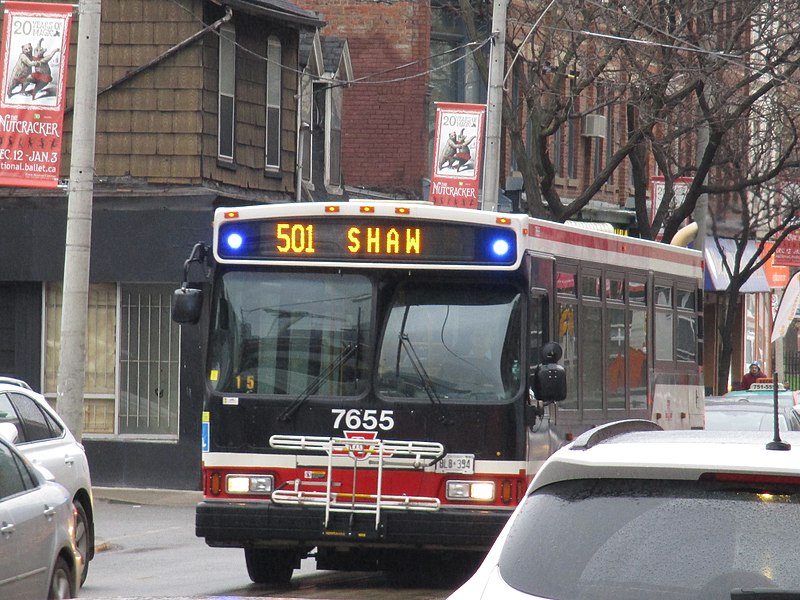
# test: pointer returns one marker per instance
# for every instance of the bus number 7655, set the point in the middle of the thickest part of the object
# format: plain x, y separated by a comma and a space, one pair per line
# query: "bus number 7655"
363, 419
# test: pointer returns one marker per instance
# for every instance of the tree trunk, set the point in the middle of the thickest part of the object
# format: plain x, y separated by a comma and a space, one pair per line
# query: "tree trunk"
729, 311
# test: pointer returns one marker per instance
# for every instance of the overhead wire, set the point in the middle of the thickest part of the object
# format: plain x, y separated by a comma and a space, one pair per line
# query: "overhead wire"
476, 46
473, 46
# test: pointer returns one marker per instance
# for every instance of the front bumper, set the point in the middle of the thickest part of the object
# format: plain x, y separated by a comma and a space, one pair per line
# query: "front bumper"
250, 524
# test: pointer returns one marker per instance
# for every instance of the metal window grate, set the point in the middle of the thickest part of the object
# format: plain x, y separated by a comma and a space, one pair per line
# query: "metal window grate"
149, 362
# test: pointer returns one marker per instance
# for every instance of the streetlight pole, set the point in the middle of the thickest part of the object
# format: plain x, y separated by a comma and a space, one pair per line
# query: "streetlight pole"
494, 107
72, 356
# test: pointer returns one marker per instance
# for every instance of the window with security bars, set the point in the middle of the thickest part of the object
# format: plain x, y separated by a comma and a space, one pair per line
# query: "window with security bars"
148, 366
132, 359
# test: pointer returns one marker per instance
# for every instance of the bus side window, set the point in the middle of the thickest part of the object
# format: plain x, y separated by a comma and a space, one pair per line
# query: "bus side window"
538, 332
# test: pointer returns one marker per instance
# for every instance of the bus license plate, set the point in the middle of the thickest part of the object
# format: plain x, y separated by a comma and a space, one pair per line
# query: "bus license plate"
456, 463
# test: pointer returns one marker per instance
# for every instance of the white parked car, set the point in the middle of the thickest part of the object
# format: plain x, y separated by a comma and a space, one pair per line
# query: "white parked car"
38, 556
628, 511
44, 439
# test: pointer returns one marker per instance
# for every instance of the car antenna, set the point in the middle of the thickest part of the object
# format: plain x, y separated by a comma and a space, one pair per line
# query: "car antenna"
776, 443
787, 308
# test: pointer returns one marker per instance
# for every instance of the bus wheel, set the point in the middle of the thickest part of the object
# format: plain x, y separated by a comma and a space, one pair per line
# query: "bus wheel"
269, 566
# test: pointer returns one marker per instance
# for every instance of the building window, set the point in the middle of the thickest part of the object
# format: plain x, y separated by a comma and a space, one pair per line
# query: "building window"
227, 92
132, 366
572, 148
273, 133
451, 79
610, 138
305, 136
333, 154
149, 366
101, 353
558, 163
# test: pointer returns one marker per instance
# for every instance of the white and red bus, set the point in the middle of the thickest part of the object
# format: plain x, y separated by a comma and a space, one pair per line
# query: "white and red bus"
380, 387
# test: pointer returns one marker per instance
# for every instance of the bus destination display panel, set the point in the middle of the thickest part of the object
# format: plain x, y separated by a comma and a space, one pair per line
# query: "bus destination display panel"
367, 240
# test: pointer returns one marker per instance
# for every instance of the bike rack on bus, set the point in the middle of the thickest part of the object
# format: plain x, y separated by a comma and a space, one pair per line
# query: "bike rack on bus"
358, 450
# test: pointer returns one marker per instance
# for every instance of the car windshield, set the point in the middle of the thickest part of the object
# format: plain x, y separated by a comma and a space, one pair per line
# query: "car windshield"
455, 343
634, 539
290, 333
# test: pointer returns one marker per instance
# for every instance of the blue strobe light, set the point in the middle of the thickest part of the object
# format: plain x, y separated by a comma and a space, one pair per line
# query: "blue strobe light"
501, 247
234, 241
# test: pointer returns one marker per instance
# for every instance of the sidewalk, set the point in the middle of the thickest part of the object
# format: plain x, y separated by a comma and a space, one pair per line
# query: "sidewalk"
149, 496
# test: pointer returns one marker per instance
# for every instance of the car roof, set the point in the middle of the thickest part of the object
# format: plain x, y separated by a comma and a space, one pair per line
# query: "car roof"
741, 404
14, 382
641, 450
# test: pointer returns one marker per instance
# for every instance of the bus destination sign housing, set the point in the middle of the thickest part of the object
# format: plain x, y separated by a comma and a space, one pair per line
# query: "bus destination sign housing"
359, 239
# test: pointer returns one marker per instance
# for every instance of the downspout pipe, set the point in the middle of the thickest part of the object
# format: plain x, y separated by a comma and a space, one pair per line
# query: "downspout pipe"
165, 55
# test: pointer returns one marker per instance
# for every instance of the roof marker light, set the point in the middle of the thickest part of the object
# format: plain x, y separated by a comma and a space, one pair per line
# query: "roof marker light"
332, 208
503, 220
231, 214
402, 210
367, 209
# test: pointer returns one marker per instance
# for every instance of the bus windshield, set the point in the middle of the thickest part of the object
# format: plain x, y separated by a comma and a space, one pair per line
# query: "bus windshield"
290, 333
457, 343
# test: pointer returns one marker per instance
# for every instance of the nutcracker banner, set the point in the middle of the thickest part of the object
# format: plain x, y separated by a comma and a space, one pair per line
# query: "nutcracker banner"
457, 144
34, 81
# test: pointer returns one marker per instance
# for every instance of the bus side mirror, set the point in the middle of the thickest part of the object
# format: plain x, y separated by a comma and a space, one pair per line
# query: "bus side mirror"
550, 383
187, 304
550, 378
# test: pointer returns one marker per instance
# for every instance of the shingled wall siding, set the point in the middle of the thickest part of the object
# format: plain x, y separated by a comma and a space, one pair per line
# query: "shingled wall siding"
250, 109
160, 127
148, 128
384, 130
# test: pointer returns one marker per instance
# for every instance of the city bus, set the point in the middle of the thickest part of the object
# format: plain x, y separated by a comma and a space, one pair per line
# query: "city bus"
384, 378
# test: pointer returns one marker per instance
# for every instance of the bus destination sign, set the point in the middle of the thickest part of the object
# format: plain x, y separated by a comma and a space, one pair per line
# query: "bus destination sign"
363, 240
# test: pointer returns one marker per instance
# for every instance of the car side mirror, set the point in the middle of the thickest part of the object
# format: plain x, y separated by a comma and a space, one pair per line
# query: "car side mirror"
44, 473
9, 432
187, 305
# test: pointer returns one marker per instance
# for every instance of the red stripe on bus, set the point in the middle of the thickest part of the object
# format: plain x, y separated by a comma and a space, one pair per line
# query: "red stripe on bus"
628, 247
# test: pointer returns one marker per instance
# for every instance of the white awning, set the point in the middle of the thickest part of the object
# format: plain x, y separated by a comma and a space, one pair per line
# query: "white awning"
716, 277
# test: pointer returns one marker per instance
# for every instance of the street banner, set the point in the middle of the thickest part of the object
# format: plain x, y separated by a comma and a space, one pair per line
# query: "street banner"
777, 274
34, 80
788, 251
457, 144
787, 308
658, 186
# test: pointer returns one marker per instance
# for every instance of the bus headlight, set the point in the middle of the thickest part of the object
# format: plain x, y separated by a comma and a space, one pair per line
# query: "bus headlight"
249, 484
470, 490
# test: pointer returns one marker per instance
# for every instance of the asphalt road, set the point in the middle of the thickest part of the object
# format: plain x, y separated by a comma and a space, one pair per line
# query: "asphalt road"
147, 549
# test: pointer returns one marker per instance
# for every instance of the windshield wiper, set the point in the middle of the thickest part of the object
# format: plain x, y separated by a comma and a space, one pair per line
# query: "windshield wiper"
764, 594
313, 386
427, 384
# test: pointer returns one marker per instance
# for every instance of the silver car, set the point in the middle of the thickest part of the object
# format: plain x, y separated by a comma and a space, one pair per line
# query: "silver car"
38, 555
45, 440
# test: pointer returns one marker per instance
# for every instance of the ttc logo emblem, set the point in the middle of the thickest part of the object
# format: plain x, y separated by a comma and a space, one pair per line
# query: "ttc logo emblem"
360, 448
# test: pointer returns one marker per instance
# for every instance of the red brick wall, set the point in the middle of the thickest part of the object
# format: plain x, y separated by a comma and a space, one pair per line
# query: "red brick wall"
384, 132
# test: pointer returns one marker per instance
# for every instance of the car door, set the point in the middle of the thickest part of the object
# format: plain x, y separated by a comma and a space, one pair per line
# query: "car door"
27, 531
43, 442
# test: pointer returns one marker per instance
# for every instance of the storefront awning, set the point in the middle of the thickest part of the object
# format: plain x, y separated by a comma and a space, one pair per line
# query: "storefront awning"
716, 278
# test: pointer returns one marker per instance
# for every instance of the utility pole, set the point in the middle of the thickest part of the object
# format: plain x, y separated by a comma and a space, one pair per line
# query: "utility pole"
494, 107
72, 357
